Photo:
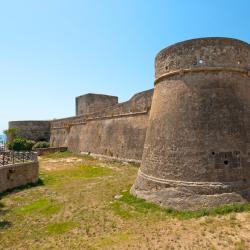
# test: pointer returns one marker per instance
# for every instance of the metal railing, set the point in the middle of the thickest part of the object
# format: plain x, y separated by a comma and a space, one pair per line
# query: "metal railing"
14, 157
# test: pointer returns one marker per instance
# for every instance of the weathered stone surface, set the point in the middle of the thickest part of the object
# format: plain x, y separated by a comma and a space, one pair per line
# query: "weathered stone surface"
12, 176
118, 131
33, 130
44, 151
91, 103
197, 137
197, 148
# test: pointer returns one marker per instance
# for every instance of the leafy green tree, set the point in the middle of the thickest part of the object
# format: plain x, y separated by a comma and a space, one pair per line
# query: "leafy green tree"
11, 134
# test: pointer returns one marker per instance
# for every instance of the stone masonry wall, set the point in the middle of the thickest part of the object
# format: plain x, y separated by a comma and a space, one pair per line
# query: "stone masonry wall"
118, 131
33, 130
197, 149
12, 176
91, 103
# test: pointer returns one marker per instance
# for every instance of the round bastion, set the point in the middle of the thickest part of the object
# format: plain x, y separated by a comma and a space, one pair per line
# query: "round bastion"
197, 148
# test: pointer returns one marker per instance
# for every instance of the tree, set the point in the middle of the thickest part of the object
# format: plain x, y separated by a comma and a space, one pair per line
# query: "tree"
11, 133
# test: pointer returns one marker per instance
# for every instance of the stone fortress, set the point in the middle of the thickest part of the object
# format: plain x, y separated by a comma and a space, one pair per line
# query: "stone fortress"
191, 133
102, 126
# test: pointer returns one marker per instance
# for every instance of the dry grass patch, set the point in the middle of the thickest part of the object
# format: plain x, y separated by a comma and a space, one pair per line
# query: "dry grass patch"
83, 203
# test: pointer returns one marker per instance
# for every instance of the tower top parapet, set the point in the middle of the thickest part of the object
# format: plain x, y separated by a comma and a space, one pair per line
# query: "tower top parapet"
203, 54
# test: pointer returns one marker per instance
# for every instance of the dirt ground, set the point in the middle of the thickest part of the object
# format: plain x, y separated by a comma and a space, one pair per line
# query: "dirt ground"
83, 203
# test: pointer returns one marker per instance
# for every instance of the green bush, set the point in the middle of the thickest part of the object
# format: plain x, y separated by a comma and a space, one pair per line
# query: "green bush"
10, 145
19, 144
30, 144
41, 144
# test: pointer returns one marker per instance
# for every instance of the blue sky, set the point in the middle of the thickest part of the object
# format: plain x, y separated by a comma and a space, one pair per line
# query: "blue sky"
54, 50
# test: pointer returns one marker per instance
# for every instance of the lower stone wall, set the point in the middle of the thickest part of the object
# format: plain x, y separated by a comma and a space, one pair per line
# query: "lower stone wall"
118, 137
12, 176
43, 151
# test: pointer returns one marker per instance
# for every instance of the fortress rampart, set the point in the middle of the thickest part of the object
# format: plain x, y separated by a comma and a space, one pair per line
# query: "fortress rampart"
117, 131
197, 148
91, 103
192, 132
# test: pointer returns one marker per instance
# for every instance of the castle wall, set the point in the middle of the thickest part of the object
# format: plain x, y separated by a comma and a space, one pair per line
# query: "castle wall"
91, 103
197, 149
32, 130
118, 131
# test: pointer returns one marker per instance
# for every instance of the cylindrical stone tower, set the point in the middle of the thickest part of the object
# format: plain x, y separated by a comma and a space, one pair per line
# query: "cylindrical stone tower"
197, 149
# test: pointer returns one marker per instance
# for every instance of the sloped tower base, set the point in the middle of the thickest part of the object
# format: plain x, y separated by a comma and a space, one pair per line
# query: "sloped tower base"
197, 148
190, 196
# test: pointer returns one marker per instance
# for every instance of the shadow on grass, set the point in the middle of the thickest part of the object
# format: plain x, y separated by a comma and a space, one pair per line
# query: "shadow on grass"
5, 224
21, 188
2, 210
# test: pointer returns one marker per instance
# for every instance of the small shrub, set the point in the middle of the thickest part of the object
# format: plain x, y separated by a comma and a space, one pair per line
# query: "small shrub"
19, 144
30, 144
41, 144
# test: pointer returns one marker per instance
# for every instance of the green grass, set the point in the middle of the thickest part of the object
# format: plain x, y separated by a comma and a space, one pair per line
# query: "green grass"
84, 171
74, 207
66, 154
113, 238
41, 207
128, 206
60, 228
60, 177
58, 155
50, 179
